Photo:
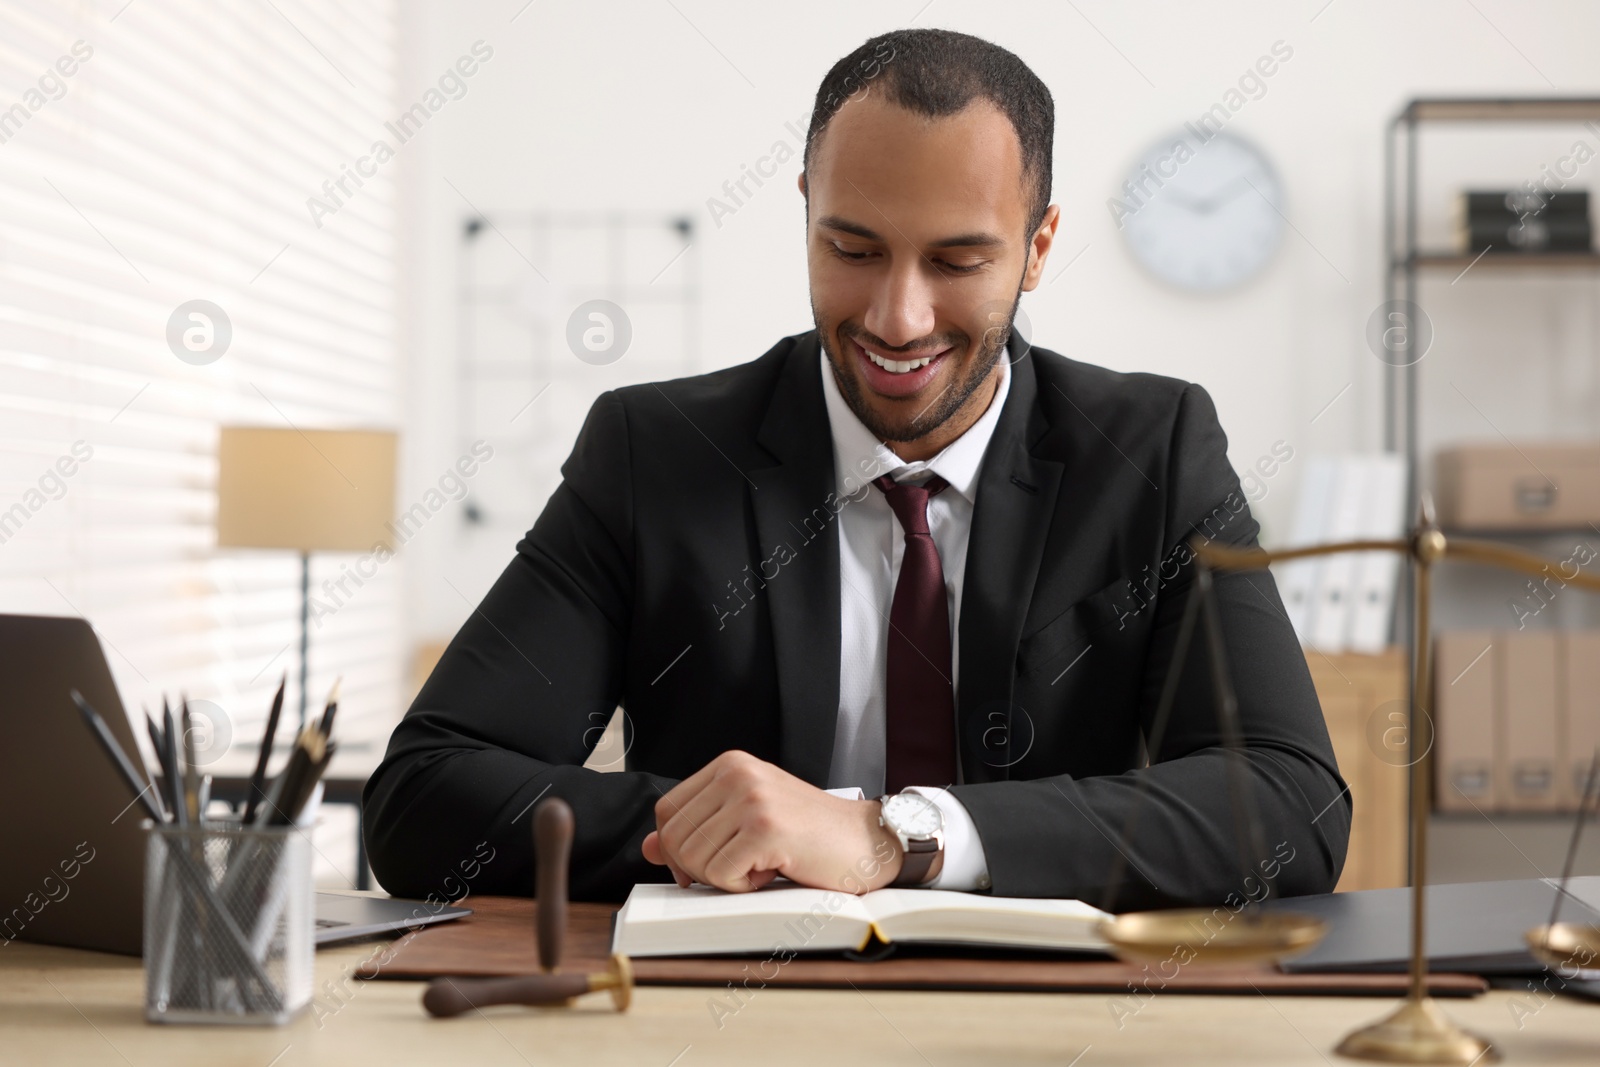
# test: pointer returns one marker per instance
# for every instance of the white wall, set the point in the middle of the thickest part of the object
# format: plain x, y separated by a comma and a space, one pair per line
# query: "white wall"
638, 104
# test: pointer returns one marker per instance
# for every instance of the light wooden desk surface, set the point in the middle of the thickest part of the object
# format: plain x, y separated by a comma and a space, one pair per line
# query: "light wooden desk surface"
65, 1006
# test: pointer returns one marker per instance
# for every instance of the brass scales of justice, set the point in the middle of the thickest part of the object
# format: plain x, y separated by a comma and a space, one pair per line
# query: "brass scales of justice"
1418, 1031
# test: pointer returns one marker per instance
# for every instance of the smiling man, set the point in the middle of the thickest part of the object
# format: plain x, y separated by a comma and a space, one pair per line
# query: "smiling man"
894, 603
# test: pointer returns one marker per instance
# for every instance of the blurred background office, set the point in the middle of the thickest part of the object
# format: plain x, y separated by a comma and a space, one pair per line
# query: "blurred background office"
450, 226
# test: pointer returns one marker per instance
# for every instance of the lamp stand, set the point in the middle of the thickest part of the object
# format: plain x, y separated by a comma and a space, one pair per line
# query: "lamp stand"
305, 632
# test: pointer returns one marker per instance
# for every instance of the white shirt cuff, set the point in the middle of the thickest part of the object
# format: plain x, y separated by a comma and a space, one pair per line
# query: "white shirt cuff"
966, 868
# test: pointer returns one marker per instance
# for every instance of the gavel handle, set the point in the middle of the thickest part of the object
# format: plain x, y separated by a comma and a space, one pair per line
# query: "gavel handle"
453, 996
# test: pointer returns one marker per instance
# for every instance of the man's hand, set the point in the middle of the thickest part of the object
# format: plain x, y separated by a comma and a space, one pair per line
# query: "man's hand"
739, 822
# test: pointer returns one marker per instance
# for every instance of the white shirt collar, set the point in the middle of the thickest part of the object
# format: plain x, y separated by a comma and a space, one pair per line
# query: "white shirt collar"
859, 457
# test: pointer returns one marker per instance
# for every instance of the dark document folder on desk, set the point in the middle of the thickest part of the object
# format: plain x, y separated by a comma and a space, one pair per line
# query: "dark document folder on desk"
1472, 927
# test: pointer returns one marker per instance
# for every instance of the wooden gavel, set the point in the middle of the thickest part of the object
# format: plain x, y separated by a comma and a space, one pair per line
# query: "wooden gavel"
453, 996
552, 848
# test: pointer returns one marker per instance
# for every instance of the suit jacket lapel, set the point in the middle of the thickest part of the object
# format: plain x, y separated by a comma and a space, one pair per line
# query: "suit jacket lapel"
800, 562
1016, 500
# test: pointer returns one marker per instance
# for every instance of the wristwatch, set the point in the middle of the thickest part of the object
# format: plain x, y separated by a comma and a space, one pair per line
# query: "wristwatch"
919, 825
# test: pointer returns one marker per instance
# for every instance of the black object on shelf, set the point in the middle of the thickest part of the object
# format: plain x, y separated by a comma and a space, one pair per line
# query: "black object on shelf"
1521, 203
1524, 221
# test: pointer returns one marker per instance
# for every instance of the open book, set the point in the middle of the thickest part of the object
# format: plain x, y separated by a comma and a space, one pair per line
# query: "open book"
667, 920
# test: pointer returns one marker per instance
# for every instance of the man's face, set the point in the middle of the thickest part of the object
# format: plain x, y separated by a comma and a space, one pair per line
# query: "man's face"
916, 252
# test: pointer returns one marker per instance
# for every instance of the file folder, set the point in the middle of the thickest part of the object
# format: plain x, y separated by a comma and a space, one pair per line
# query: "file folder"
1464, 721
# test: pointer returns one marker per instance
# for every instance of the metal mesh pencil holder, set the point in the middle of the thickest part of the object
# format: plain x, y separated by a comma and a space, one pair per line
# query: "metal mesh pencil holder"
229, 930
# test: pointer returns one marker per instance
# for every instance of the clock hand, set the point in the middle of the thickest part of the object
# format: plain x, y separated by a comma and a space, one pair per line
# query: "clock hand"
1176, 198
1210, 203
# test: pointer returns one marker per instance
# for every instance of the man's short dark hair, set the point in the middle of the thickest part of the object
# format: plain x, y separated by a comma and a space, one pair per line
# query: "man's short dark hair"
935, 73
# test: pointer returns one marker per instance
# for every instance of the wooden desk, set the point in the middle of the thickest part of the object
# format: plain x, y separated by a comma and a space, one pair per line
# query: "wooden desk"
65, 1006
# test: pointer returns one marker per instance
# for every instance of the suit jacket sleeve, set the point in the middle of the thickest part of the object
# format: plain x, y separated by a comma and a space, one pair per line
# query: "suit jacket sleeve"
517, 702
1061, 836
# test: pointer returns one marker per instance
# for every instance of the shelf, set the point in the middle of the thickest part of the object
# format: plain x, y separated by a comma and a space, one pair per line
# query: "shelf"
1491, 109
1518, 260
1514, 532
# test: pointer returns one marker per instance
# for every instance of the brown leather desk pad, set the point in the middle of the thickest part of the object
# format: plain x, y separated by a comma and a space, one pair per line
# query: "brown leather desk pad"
498, 939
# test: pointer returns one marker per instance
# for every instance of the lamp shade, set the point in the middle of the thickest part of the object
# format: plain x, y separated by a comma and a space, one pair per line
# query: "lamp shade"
311, 490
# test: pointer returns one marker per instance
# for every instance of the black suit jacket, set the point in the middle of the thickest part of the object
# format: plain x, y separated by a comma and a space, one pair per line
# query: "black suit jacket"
688, 569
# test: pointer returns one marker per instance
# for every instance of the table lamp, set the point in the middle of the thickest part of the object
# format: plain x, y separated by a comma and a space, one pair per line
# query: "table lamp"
307, 490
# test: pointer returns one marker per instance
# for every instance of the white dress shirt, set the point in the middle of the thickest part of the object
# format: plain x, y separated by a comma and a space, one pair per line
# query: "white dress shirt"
871, 545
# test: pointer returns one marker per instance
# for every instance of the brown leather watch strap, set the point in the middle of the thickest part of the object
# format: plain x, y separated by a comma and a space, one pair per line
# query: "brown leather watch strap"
920, 863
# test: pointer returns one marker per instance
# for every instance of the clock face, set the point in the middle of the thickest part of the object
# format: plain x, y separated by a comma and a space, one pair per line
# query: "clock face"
1212, 222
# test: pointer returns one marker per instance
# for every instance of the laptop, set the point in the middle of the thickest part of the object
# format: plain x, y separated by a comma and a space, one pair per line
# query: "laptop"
73, 851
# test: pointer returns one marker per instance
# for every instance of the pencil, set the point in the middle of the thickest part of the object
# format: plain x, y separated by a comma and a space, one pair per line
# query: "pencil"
161, 762
297, 778
119, 758
258, 777
191, 778
330, 709
169, 734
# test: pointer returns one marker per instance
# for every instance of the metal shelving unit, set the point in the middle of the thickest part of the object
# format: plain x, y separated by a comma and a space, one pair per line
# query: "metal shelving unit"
1407, 265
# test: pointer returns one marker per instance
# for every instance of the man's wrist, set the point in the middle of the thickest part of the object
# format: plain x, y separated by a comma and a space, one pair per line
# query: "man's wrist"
918, 826
883, 865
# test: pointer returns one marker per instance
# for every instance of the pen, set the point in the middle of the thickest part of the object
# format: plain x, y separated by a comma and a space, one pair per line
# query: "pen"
119, 758
258, 776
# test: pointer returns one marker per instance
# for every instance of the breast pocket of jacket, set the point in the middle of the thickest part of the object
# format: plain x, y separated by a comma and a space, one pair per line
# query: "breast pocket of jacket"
1103, 617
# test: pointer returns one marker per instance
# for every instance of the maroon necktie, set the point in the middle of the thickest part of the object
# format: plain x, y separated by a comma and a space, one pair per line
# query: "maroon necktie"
919, 727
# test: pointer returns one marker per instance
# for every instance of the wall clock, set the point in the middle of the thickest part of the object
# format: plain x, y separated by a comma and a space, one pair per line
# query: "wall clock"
1204, 216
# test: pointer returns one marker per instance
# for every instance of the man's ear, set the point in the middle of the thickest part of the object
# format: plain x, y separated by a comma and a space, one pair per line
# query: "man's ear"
802, 183
1039, 247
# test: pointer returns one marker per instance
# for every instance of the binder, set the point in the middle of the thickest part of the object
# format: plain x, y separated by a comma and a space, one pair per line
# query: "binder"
1464, 720
1297, 579
1476, 927
1372, 609
1581, 712
1336, 581
1526, 721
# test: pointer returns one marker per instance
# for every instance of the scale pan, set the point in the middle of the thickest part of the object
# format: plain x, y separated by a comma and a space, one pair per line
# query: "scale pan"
1565, 944
1157, 936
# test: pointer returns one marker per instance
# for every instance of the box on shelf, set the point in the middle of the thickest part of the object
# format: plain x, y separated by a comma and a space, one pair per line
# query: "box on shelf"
1504, 487
1517, 719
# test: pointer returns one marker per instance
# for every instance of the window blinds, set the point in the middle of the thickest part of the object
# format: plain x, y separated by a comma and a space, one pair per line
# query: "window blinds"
149, 157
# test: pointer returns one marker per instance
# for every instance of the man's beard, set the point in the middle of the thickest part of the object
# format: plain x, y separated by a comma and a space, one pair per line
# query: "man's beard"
991, 345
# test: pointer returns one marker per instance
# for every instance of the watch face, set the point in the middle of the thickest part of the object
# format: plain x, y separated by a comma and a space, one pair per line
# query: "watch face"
913, 815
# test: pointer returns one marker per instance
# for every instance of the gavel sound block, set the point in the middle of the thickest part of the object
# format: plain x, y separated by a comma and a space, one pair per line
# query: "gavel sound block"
552, 847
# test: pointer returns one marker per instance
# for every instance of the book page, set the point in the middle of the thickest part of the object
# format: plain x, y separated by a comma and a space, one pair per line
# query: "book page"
664, 920
656, 902
884, 904
941, 915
